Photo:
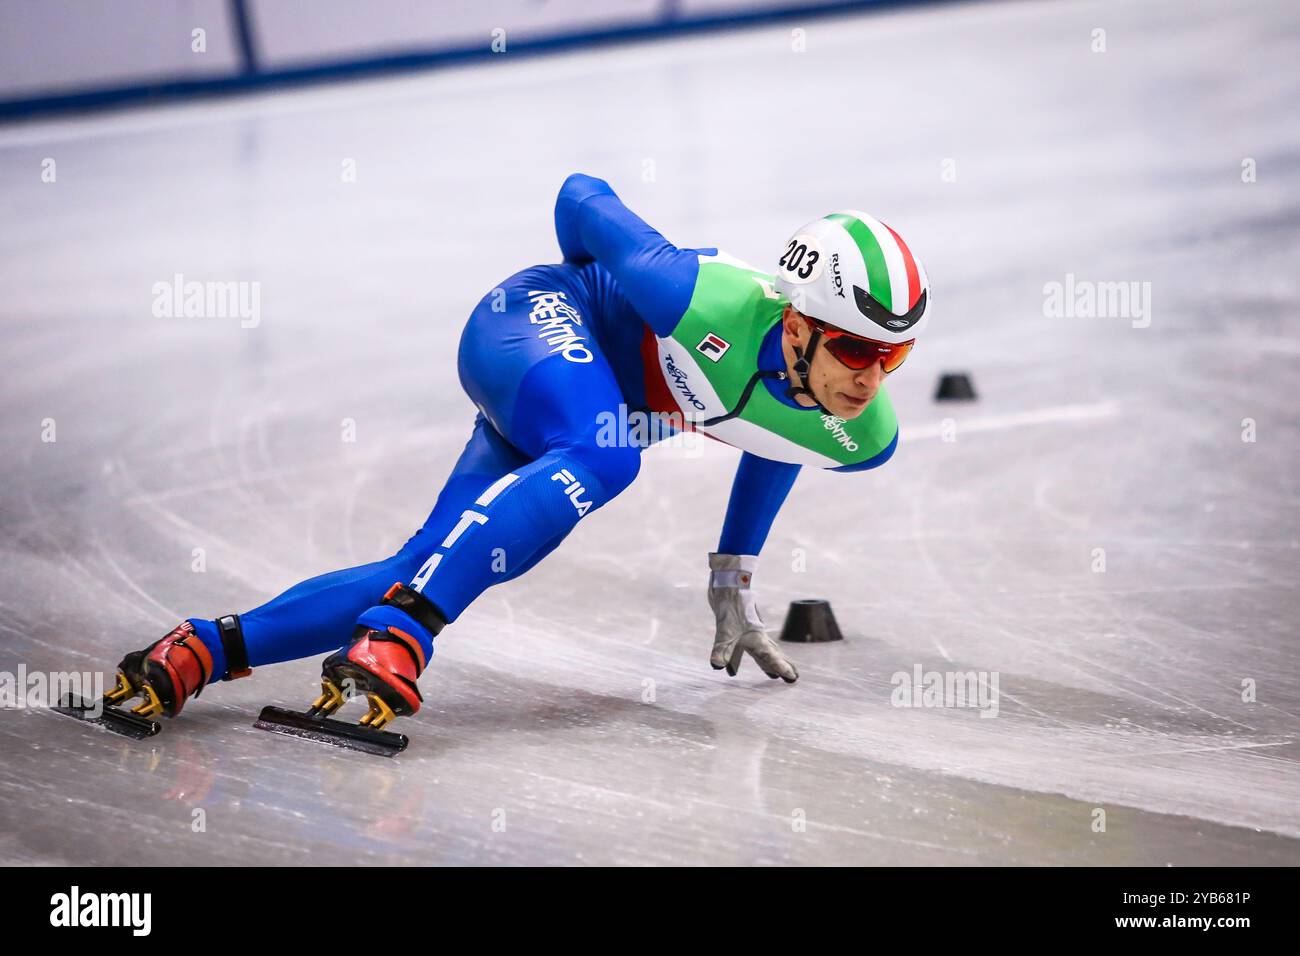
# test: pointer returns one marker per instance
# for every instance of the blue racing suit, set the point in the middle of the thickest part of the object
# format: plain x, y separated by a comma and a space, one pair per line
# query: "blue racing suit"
548, 357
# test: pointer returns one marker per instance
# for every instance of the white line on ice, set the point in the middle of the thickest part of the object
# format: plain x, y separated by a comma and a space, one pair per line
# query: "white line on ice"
1040, 416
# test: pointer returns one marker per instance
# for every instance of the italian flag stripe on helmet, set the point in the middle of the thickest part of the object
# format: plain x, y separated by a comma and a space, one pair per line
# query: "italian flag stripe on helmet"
909, 265
891, 271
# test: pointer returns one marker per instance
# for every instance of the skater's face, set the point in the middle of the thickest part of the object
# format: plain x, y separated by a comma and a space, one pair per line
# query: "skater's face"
845, 392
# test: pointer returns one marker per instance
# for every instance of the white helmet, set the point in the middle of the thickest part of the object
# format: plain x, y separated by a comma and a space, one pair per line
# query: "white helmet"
854, 272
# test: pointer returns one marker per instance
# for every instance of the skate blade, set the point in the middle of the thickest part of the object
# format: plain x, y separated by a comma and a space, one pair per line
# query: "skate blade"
338, 733
121, 722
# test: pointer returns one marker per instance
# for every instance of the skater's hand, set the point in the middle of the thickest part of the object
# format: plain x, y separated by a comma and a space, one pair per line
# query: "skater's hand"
740, 629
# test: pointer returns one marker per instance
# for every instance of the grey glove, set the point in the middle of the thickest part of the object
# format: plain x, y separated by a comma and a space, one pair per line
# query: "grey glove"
740, 629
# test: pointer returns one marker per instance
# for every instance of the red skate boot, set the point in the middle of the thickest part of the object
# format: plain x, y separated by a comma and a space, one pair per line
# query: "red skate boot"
164, 676
381, 664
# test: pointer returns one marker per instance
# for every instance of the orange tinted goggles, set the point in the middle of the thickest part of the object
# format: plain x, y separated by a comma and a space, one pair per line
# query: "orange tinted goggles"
858, 353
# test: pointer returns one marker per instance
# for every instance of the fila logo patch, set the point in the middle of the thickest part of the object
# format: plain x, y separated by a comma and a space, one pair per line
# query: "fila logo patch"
713, 347
573, 489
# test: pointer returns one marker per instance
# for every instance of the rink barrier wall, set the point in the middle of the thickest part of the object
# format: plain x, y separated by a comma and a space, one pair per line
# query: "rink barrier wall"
251, 72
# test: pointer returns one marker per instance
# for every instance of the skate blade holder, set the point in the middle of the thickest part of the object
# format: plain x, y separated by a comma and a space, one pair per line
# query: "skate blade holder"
316, 724
103, 714
326, 730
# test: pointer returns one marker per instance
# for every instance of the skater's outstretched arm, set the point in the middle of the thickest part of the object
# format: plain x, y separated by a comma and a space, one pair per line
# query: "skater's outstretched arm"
760, 488
658, 278
757, 493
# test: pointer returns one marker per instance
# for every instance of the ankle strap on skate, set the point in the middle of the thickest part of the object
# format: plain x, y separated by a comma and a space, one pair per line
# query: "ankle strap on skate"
232, 640
424, 612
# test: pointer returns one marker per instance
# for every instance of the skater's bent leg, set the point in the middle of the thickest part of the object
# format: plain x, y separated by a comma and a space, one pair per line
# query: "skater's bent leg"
311, 618
529, 511
558, 411
552, 394
318, 615
517, 570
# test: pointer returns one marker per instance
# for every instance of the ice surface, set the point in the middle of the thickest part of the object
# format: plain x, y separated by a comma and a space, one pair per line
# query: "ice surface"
571, 715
